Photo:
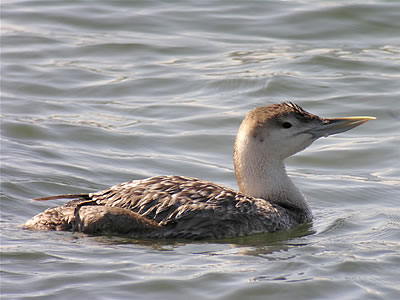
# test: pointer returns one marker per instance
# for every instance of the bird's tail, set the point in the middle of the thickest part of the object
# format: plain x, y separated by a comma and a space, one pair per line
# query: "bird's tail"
66, 196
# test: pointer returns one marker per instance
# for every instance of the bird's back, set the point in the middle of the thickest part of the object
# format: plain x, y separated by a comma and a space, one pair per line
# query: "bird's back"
166, 207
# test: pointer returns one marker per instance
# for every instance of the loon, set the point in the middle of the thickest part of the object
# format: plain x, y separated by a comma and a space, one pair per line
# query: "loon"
178, 207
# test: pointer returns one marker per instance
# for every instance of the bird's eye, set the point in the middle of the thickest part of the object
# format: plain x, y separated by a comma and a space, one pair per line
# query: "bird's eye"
286, 125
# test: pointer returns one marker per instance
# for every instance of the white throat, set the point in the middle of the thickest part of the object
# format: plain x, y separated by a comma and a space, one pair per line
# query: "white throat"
262, 175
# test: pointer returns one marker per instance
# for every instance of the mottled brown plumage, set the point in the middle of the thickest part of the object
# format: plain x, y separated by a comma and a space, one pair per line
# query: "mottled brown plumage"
190, 208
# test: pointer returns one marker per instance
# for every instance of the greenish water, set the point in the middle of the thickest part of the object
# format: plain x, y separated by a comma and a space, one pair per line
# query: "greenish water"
97, 93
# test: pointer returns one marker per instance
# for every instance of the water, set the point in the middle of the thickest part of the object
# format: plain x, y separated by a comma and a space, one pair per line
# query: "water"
97, 93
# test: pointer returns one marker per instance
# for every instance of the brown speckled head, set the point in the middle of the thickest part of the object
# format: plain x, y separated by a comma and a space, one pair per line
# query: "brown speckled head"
260, 116
270, 134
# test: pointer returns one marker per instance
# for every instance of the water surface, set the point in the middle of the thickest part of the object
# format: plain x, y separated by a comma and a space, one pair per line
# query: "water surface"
94, 94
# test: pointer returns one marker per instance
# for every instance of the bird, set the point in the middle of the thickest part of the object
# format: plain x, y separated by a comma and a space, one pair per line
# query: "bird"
179, 207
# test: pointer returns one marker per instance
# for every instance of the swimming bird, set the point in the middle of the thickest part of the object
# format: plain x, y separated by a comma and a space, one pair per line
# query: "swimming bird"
190, 208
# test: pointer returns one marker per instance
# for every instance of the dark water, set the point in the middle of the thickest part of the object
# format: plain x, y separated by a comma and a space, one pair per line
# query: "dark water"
99, 92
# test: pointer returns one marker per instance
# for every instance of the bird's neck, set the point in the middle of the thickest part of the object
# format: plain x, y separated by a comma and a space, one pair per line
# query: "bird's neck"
262, 177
